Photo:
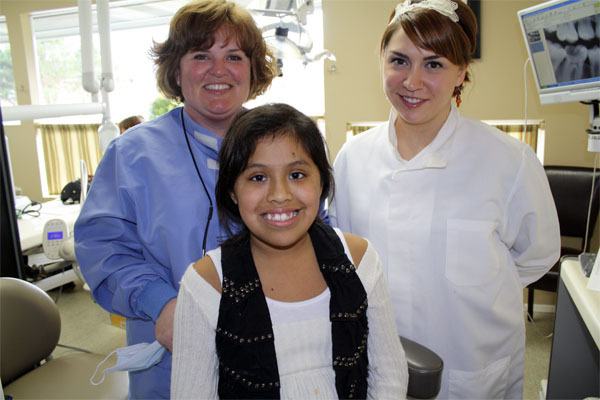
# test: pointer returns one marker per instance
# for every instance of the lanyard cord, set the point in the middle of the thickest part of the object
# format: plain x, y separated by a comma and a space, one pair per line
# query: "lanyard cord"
210, 203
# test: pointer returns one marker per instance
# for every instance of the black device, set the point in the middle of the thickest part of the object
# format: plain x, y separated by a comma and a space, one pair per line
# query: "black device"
12, 262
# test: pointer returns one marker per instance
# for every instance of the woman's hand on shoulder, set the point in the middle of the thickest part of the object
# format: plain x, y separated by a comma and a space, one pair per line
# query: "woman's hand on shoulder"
357, 246
206, 269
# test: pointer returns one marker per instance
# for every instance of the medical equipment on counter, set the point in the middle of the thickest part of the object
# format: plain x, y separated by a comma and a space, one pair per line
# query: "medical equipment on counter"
21, 202
57, 241
55, 234
58, 244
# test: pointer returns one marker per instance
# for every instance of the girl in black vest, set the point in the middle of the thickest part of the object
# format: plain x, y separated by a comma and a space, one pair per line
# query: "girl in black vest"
288, 307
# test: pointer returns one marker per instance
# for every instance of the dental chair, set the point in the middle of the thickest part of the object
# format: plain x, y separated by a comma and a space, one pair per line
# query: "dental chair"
424, 370
29, 332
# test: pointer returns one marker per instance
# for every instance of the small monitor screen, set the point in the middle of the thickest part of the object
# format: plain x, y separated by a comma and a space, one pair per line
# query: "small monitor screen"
563, 42
55, 235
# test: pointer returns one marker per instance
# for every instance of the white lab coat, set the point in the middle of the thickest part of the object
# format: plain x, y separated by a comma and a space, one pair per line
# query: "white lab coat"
461, 229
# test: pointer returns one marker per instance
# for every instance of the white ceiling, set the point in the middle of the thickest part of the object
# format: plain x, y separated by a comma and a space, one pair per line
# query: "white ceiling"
124, 14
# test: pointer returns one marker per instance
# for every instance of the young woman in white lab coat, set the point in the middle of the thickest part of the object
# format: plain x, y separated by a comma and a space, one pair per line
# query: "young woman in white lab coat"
461, 213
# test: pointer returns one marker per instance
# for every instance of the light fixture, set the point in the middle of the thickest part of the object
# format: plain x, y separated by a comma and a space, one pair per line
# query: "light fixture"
287, 36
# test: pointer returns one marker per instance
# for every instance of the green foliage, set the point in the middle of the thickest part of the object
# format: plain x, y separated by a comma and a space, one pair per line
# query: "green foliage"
60, 68
7, 79
162, 105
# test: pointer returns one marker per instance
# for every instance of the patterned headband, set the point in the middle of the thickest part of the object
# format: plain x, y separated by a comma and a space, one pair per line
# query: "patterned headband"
444, 7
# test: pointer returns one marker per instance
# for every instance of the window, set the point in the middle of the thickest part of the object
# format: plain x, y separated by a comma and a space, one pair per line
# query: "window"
67, 145
62, 142
134, 25
8, 94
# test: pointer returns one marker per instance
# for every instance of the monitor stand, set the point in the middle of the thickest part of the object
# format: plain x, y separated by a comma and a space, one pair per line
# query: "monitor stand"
594, 130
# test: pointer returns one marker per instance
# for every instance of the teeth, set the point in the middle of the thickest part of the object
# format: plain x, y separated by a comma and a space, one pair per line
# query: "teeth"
411, 100
217, 86
594, 57
572, 69
557, 54
566, 32
280, 217
585, 29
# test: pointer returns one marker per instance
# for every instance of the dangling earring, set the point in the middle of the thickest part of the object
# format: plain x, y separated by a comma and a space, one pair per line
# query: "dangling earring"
456, 94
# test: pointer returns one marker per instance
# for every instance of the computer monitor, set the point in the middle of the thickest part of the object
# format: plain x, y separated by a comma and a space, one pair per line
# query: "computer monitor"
563, 41
12, 262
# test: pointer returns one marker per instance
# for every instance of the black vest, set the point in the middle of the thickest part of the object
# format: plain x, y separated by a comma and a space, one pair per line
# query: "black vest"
245, 342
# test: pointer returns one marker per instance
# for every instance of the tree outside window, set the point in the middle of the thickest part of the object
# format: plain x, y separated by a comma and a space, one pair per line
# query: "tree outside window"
8, 94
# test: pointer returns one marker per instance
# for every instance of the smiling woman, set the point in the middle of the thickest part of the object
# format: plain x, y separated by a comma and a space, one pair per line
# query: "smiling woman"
447, 201
215, 82
132, 243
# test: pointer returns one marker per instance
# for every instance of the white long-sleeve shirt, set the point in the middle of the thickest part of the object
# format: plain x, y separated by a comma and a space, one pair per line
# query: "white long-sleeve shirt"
461, 228
302, 333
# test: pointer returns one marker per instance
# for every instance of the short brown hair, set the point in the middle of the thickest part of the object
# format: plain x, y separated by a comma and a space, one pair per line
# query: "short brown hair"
129, 122
430, 30
194, 26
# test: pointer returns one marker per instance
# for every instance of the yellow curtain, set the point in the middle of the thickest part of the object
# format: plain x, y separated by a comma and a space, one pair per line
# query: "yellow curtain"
527, 134
64, 146
359, 127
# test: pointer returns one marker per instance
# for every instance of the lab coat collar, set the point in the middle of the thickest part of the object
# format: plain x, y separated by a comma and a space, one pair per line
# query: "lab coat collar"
210, 142
435, 154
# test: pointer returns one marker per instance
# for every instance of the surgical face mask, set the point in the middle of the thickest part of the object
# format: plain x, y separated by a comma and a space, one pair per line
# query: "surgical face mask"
132, 358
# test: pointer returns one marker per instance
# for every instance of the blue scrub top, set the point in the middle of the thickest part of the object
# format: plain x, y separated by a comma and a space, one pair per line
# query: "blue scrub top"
143, 223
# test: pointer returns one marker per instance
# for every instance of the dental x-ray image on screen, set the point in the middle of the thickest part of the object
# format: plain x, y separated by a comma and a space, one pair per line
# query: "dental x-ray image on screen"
574, 49
563, 42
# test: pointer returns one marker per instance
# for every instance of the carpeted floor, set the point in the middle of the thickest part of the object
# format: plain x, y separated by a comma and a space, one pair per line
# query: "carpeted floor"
85, 325
537, 353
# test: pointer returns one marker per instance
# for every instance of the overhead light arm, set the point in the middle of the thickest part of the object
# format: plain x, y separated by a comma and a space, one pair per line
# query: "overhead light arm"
281, 33
281, 8
90, 84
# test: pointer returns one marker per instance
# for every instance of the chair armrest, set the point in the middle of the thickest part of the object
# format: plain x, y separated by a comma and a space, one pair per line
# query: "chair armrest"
424, 370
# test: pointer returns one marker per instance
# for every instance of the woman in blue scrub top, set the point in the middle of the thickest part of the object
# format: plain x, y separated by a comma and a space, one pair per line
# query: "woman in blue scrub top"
149, 212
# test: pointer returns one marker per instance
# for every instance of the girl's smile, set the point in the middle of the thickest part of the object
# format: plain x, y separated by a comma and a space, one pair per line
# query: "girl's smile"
278, 193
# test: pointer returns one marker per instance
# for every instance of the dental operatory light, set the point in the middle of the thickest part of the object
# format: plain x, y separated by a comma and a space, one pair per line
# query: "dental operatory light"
283, 23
